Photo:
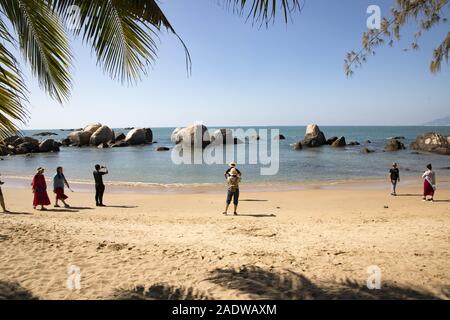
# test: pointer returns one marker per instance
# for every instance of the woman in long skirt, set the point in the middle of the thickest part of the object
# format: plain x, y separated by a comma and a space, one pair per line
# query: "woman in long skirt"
429, 183
39, 187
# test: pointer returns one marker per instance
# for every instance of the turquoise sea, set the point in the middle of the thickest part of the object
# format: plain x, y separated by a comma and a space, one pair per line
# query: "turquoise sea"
143, 164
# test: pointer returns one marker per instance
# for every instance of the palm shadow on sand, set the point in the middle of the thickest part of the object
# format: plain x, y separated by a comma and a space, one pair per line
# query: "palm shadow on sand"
161, 292
14, 291
288, 285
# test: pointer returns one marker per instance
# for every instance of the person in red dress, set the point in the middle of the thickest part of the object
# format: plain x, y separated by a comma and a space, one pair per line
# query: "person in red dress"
429, 184
39, 187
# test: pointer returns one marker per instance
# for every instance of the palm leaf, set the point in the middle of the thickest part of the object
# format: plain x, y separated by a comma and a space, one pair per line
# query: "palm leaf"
121, 33
13, 92
44, 44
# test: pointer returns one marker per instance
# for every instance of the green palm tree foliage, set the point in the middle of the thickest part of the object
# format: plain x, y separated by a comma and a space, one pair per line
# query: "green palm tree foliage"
123, 34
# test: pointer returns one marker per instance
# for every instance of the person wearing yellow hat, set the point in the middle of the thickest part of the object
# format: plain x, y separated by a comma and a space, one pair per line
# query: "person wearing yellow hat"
231, 165
233, 181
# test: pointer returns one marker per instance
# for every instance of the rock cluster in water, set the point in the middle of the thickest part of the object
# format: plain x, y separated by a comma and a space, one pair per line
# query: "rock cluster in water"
24, 145
102, 136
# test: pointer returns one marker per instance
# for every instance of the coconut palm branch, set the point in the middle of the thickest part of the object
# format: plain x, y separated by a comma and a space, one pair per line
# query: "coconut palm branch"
123, 34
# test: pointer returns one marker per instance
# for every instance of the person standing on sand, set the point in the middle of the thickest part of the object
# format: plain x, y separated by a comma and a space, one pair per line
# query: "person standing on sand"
2, 201
231, 166
99, 172
39, 187
394, 175
429, 183
59, 181
233, 181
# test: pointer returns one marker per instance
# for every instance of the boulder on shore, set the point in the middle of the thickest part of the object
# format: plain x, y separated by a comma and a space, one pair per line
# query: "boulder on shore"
394, 145
339, 143
280, 137
313, 137
196, 136
432, 142
79, 138
162, 149
120, 136
139, 136
92, 127
297, 146
222, 136
48, 145
331, 140
101, 136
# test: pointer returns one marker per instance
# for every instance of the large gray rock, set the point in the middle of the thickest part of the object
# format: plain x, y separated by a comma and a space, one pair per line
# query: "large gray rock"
79, 138
49, 145
394, 145
193, 136
101, 136
297, 146
139, 136
222, 136
340, 142
92, 127
331, 140
432, 142
313, 136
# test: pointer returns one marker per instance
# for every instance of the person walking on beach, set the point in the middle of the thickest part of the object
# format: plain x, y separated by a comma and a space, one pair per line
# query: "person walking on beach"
394, 175
233, 181
59, 181
231, 166
39, 187
99, 172
429, 183
2, 200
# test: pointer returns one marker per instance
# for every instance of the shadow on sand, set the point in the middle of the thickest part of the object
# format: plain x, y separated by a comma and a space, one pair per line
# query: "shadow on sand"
286, 285
254, 200
256, 215
14, 291
14, 212
160, 292
409, 195
121, 207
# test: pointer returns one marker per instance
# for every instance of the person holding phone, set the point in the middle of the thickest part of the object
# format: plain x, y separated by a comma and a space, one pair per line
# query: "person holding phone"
99, 172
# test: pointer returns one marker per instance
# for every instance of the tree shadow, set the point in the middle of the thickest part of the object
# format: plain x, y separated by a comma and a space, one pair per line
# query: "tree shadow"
161, 292
14, 291
288, 285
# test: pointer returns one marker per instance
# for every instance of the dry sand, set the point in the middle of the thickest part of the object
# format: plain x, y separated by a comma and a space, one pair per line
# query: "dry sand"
302, 244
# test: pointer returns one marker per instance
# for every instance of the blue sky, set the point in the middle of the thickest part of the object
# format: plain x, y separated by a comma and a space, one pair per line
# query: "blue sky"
245, 75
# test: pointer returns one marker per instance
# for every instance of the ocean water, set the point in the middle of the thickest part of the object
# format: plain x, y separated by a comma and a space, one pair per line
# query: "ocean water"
143, 164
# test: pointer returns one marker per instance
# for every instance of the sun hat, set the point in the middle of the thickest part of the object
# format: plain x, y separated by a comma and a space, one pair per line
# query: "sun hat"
232, 164
233, 172
394, 164
40, 169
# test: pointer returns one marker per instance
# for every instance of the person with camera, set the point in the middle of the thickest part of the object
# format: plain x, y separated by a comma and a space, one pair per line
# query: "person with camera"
99, 172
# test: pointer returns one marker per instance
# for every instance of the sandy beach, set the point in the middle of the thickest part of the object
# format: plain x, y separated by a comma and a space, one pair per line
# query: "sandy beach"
300, 244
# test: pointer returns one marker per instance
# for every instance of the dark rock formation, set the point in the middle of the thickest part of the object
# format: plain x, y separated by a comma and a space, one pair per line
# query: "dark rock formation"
394, 145
366, 150
162, 149
331, 140
432, 142
297, 146
313, 137
339, 142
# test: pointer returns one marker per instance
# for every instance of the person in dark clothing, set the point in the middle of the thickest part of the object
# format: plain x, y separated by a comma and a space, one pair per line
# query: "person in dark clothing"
99, 172
231, 166
394, 175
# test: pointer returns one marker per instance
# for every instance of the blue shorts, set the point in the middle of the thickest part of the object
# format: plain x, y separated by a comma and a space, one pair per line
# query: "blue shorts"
234, 195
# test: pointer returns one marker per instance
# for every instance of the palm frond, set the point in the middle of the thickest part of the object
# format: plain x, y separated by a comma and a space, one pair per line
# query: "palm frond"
44, 44
13, 93
263, 11
121, 33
